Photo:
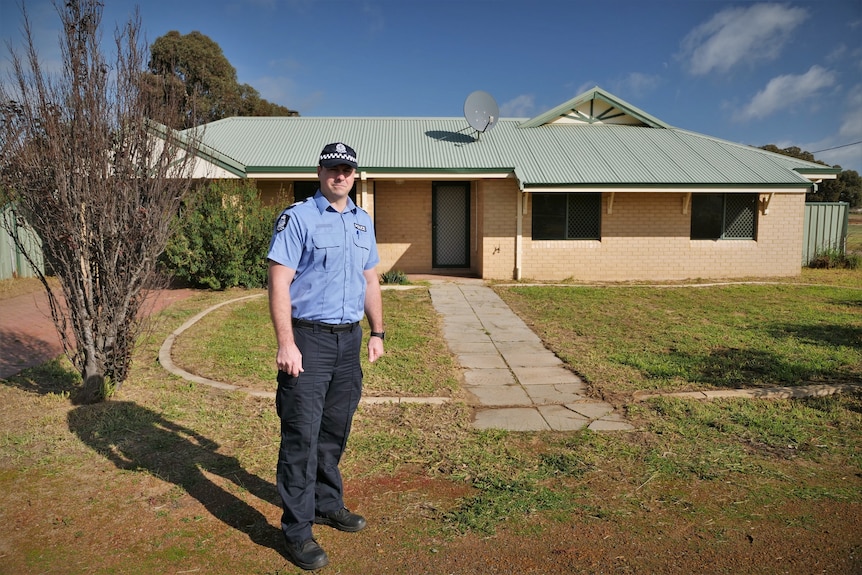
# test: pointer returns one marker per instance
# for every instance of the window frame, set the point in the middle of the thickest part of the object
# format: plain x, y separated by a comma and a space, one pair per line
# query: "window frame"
714, 226
564, 217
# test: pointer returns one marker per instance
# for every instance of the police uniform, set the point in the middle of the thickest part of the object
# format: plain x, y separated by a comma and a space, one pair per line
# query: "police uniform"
330, 252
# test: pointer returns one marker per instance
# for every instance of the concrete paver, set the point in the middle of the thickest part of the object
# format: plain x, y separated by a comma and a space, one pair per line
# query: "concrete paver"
561, 418
511, 418
559, 393
519, 384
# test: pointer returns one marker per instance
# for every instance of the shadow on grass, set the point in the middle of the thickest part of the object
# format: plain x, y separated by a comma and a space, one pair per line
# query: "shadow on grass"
22, 351
827, 334
135, 438
53, 376
733, 367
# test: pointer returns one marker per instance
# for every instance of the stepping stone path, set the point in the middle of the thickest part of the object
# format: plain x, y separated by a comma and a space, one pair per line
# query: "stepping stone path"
519, 384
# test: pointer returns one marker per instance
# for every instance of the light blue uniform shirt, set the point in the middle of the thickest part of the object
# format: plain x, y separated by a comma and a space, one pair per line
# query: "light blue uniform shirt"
329, 251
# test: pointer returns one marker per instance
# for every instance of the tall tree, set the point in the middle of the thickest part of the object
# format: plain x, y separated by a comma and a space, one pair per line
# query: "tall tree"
88, 162
846, 187
195, 65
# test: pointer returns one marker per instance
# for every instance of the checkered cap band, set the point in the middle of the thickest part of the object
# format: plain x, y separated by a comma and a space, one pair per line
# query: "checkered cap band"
347, 157
338, 153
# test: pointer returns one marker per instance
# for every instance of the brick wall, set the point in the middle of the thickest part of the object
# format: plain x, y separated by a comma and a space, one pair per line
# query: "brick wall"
646, 237
402, 216
499, 227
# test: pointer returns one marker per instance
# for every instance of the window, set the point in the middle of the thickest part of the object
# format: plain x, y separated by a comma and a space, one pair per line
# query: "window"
567, 216
724, 216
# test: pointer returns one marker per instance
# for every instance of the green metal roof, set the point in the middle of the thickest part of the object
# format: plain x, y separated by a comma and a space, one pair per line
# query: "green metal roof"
593, 140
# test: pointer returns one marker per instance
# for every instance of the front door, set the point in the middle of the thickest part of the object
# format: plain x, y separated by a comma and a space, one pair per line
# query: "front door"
451, 224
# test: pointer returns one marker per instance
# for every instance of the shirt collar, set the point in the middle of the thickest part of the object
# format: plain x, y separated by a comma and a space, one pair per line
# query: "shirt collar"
322, 203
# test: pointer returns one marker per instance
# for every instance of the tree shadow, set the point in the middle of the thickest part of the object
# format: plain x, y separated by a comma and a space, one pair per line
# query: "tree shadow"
730, 367
829, 334
745, 368
135, 438
22, 351
51, 376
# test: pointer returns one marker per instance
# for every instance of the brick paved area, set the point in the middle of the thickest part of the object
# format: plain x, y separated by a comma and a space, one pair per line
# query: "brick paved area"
28, 336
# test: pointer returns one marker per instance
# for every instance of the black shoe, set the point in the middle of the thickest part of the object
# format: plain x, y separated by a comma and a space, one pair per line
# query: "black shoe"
307, 554
343, 520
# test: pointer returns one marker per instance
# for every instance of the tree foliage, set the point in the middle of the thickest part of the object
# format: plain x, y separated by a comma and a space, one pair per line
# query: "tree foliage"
223, 237
81, 162
846, 187
195, 66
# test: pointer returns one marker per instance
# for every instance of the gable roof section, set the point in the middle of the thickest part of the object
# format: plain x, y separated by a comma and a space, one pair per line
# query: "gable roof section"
595, 107
594, 141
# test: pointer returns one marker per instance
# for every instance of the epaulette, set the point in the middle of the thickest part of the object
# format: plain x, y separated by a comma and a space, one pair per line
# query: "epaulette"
294, 204
281, 223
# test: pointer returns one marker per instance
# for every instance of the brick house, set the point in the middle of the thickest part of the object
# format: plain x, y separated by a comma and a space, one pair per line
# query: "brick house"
593, 190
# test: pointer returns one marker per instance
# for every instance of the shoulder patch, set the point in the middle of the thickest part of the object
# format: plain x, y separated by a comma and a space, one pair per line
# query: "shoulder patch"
285, 217
282, 221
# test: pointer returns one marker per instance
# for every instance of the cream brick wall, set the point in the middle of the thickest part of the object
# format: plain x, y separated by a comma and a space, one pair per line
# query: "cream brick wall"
498, 201
403, 224
646, 237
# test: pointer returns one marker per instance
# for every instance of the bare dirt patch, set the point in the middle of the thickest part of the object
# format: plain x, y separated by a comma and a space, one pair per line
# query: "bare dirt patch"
78, 500
176, 478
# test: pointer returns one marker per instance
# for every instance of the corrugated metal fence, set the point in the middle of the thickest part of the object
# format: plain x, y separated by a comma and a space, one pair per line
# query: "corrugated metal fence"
826, 226
13, 263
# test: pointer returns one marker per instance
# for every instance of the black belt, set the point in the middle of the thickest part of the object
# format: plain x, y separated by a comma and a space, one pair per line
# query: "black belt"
327, 327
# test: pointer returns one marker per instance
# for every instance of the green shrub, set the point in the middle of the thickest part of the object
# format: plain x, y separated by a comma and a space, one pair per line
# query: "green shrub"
394, 277
222, 238
833, 258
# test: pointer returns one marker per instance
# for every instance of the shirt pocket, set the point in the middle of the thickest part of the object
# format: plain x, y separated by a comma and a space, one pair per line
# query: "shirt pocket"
328, 252
362, 241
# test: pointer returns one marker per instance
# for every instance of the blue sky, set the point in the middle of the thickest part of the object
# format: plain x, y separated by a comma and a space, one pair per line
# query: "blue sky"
783, 73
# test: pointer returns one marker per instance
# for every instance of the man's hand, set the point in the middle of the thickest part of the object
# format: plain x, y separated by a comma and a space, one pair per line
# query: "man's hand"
289, 360
375, 348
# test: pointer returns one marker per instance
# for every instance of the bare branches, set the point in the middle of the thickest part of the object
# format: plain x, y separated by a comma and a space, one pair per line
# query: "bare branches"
89, 164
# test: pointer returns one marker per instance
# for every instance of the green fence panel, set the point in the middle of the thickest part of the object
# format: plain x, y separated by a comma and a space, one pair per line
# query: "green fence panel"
825, 228
13, 262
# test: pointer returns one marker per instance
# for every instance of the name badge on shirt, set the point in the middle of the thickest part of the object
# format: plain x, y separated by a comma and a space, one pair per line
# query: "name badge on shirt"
360, 227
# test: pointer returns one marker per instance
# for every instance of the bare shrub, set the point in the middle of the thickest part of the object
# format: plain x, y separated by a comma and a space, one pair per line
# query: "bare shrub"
86, 160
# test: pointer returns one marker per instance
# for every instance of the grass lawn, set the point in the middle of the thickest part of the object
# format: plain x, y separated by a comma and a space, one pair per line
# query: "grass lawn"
854, 234
173, 477
624, 339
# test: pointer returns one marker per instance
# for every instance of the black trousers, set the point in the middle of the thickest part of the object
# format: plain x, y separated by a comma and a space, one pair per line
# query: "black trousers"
316, 411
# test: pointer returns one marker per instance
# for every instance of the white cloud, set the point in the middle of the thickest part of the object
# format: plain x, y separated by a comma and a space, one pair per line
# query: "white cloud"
842, 147
639, 84
849, 155
851, 126
787, 91
736, 35
519, 107
286, 92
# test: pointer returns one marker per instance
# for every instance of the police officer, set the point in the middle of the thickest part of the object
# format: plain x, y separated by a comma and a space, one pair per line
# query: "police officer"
322, 279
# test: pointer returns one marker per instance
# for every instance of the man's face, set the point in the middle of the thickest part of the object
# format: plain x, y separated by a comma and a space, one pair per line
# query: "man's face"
336, 182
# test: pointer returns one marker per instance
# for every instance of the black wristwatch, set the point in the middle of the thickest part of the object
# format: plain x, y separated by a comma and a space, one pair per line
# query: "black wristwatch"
380, 334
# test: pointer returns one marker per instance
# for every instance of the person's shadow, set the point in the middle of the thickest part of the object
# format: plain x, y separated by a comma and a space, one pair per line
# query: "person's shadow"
135, 438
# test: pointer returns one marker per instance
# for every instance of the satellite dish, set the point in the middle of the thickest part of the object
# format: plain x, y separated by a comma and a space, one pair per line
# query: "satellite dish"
481, 111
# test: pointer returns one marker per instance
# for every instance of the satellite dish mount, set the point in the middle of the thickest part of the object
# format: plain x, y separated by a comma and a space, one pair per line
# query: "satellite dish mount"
481, 111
